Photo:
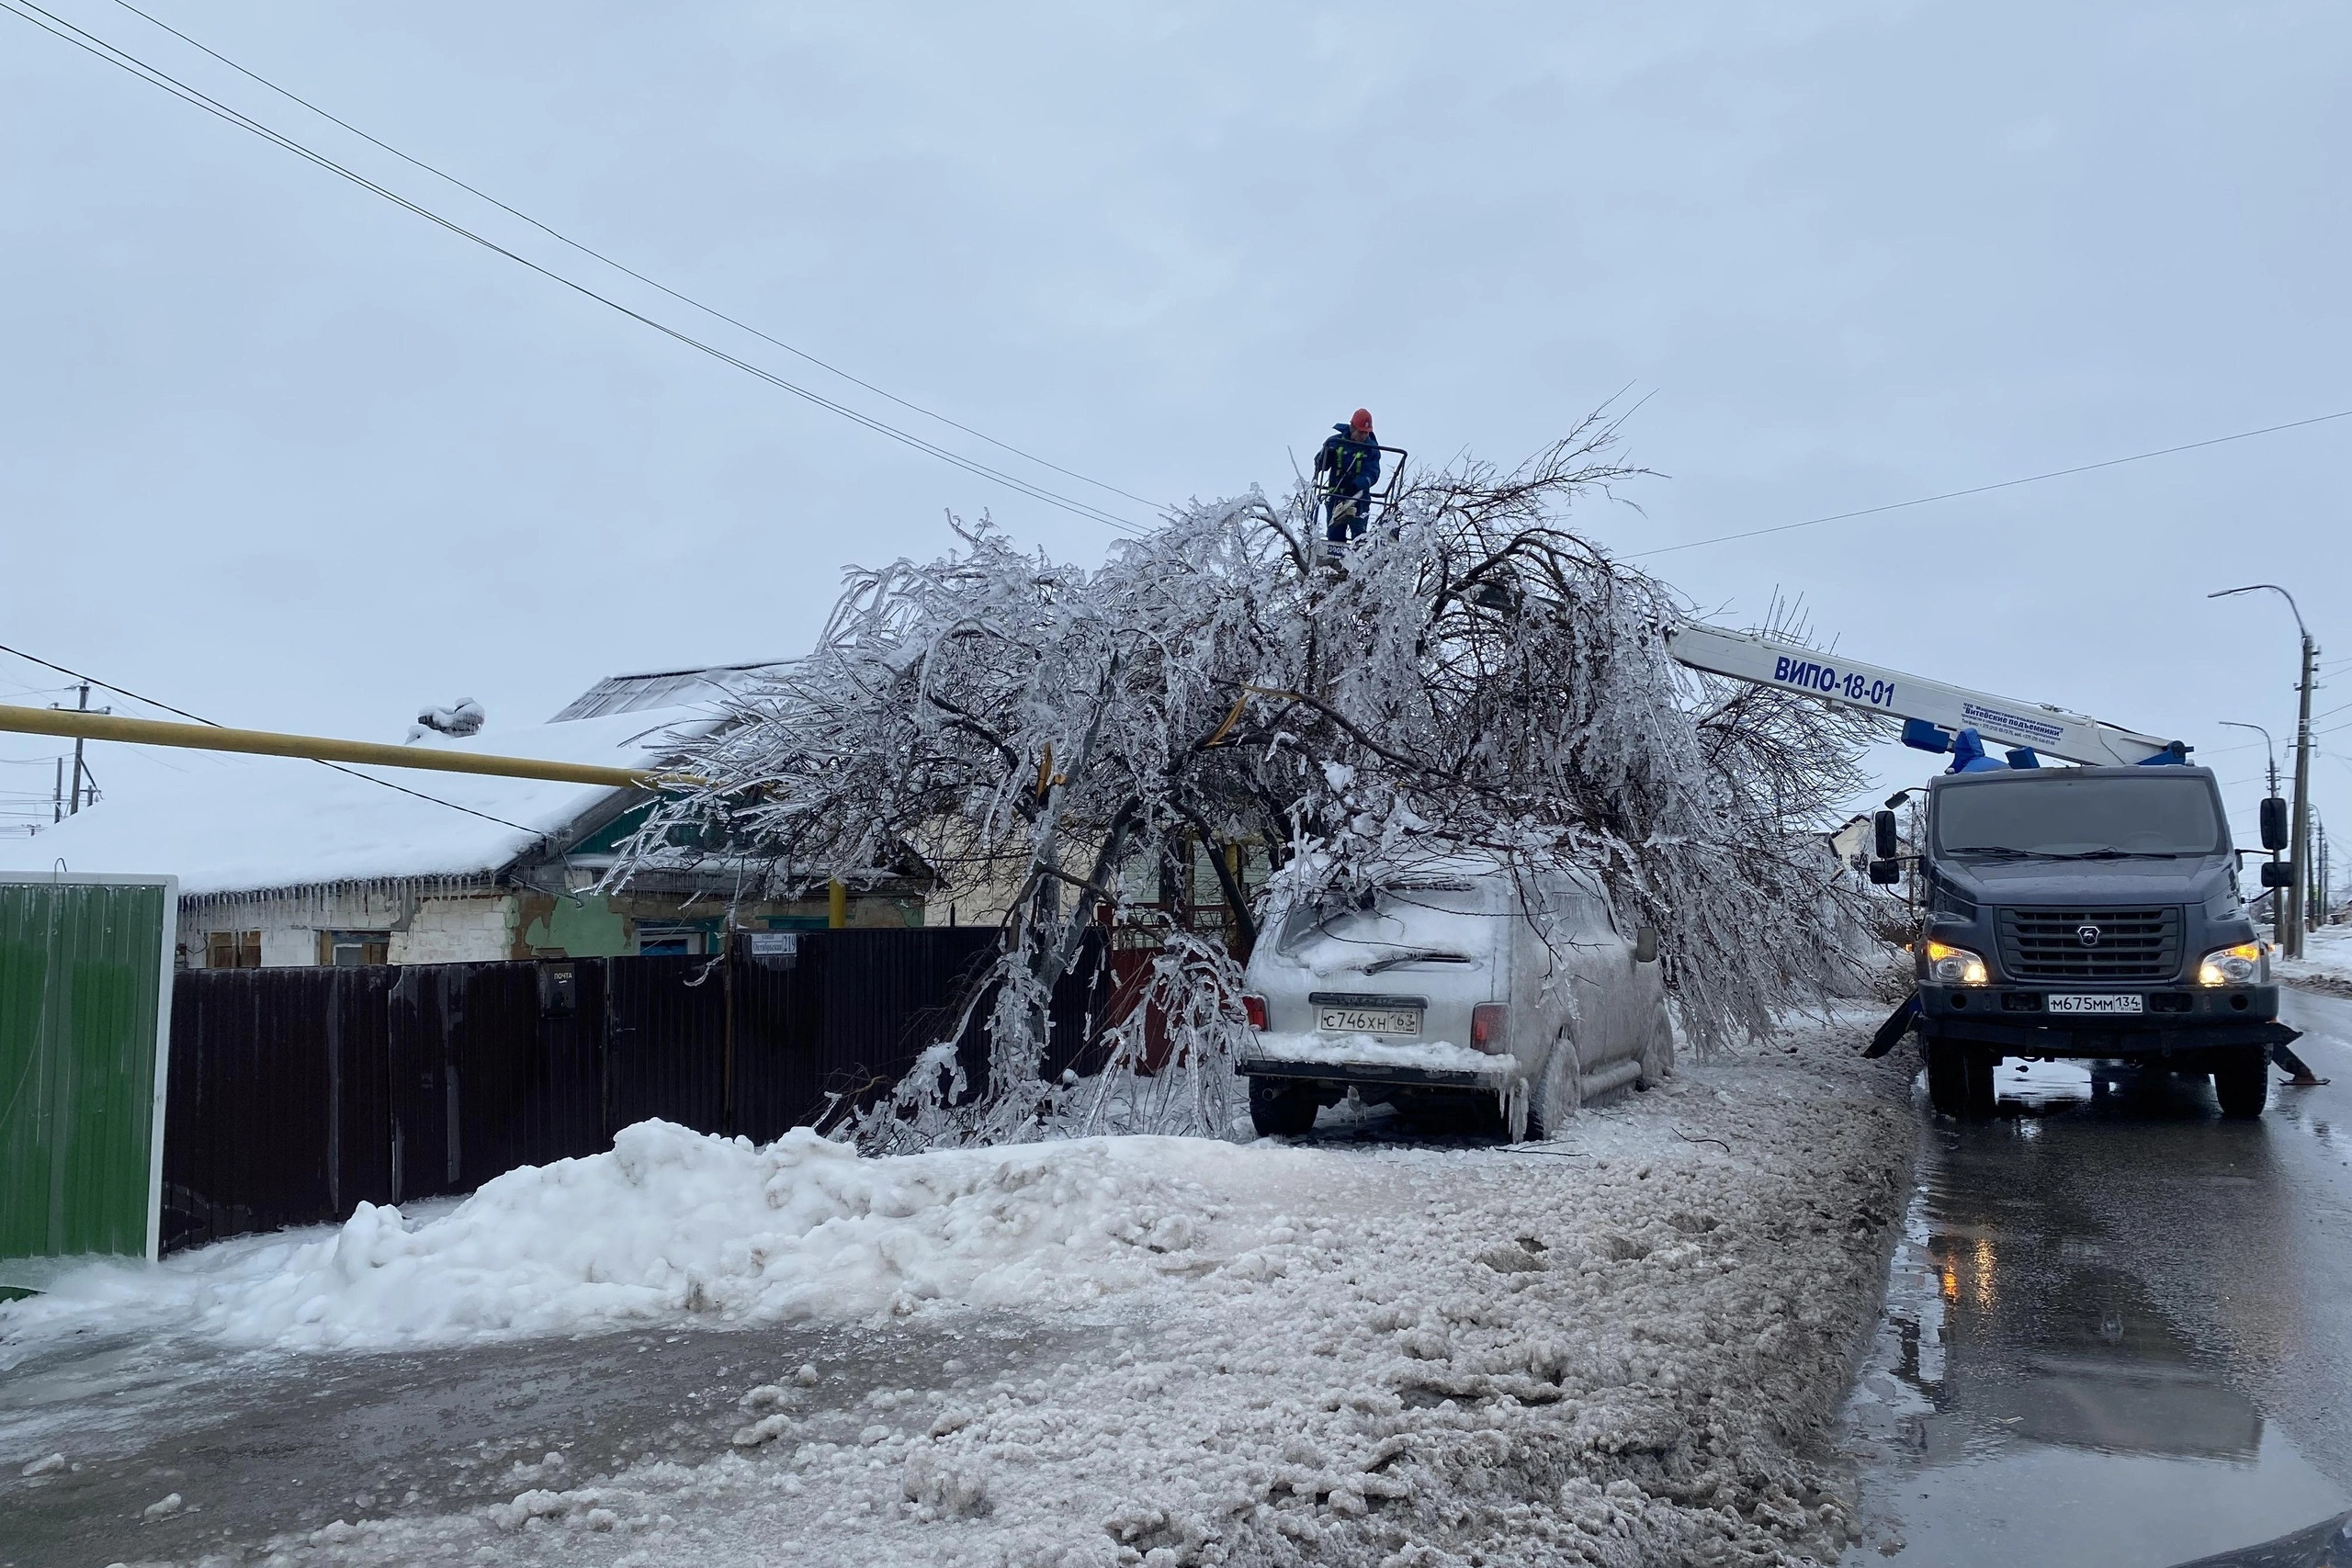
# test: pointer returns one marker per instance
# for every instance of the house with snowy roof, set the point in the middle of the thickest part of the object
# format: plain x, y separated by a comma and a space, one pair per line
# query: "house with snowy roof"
286, 863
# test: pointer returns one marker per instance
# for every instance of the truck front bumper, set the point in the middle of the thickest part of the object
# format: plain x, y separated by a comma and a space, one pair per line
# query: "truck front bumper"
2174, 1020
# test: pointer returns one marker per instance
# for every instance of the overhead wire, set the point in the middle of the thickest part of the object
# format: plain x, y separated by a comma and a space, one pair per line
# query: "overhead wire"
590, 251
199, 718
1987, 489
90, 43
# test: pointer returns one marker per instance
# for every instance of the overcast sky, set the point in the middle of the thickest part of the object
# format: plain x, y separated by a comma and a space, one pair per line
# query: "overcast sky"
279, 452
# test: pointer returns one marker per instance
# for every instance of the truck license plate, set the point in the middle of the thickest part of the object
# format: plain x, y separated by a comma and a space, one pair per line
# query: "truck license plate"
2100, 1002
1368, 1020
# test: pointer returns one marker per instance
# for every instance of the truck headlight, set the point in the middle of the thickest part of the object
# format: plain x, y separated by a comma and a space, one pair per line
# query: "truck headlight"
2239, 965
1952, 965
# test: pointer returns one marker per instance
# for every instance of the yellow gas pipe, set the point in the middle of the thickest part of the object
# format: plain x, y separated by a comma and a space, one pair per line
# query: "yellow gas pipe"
317, 748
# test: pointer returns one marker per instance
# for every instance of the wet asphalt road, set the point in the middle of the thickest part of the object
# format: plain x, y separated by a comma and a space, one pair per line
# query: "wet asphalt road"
2119, 1328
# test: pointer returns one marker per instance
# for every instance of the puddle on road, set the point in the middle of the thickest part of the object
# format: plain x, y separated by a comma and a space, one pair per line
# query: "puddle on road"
2027, 1399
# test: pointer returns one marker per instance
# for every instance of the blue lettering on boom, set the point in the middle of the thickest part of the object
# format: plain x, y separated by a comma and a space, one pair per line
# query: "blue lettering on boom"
1806, 675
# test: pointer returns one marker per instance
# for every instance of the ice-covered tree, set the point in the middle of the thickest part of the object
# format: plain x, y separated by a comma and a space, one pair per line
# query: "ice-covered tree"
1475, 677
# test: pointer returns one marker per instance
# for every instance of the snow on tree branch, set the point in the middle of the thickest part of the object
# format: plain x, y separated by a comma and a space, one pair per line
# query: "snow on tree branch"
1477, 679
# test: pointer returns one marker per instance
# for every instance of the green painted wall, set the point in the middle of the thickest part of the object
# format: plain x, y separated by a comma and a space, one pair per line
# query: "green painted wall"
81, 995
588, 928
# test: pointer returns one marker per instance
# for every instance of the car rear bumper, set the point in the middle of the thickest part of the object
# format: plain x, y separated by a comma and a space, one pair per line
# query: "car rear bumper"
1382, 1074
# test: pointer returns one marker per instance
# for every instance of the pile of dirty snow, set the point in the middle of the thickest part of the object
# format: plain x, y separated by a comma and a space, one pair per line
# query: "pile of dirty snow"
1622, 1346
2326, 963
674, 1224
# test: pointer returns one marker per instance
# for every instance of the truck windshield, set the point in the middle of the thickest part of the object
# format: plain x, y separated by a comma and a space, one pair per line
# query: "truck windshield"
2056, 815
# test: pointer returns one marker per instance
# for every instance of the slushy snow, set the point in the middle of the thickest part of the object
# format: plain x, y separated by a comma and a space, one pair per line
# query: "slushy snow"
1623, 1346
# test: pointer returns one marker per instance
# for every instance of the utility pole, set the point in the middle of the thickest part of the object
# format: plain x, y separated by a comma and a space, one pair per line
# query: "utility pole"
75, 807
2303, 828
2290, 940
2315, 911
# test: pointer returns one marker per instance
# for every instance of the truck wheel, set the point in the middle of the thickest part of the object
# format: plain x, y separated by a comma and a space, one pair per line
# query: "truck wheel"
2244, 1087
1948, 1077
1278, 1108
1981, 1095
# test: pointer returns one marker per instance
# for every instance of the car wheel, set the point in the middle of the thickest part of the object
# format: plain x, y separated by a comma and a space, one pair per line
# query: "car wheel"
1559, 1090
1948, 1077
1281, 1108
1658, 1055
2244, 1087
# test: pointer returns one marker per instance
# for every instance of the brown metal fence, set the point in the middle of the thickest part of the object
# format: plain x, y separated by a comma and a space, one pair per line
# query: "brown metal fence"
297, 1094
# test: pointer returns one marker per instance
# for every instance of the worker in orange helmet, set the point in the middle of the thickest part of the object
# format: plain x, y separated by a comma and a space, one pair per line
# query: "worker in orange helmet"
1345, 469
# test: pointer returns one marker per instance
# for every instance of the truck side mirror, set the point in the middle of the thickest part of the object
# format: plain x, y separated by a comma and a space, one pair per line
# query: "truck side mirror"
2274, 824
1886, 872
1882, 828
2277, 874
1645, 945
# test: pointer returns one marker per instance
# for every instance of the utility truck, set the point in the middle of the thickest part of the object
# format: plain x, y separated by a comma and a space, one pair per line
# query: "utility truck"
2088, 912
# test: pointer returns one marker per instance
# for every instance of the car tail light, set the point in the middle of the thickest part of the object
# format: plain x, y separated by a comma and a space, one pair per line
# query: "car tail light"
1487, 1021
1256, 1009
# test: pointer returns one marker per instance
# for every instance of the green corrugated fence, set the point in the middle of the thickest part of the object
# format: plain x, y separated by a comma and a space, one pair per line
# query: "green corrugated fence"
86, 967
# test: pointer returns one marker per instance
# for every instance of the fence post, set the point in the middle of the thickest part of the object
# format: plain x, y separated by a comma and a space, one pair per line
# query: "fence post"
726, 1035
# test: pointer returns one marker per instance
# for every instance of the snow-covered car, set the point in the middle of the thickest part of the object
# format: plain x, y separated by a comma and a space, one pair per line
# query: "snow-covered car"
1525, 992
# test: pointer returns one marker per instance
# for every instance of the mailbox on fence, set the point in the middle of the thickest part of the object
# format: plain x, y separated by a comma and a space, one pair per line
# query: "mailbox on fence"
86, 976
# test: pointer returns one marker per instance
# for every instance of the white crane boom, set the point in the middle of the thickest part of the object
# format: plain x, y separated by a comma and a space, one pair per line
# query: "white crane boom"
2003, 721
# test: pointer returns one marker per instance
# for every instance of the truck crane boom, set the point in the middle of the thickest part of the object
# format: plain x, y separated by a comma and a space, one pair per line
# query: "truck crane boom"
2049, 731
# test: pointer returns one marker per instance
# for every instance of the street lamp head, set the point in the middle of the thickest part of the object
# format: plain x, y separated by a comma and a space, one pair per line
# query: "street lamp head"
2241, 723
2257, 587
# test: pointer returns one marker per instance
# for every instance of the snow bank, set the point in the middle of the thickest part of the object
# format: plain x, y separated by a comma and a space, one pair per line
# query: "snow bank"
2326, 963
671, 1223
1621, 1349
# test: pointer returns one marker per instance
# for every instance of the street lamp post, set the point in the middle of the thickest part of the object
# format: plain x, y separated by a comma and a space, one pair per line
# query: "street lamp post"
2291, 932
2278, 896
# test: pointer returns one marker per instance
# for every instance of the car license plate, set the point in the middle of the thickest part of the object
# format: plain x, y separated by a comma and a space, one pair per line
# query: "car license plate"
1368, 1020
2100, 1002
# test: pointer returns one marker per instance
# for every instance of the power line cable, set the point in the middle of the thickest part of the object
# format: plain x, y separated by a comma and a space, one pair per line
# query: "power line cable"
590, 251
1982, 490
90, 43
199, 718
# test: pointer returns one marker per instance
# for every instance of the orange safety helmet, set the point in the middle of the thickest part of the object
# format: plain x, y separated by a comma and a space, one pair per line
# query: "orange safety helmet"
1361, 421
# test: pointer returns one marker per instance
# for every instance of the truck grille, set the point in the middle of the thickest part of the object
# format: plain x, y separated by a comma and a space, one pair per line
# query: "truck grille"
2047, 944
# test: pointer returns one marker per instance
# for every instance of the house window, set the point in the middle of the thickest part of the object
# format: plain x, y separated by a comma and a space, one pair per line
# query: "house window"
654, 941
349, 949
233, 950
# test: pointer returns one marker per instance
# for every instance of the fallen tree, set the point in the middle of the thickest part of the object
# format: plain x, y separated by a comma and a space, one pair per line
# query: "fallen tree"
1478, 678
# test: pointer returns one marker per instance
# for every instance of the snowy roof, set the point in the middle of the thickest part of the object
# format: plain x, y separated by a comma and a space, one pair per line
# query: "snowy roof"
234, 824
663, 688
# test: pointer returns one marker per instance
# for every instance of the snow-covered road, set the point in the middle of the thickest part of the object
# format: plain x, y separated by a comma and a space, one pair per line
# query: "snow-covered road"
1626, 1347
